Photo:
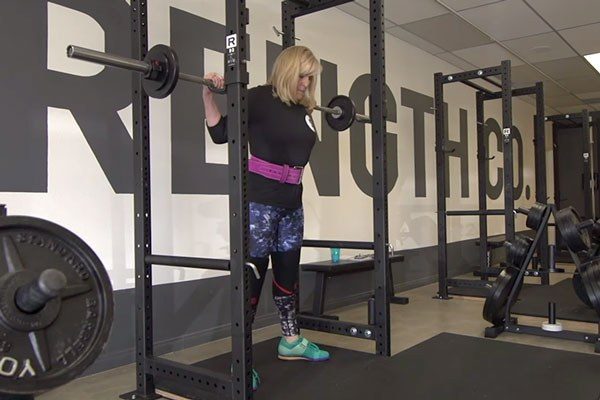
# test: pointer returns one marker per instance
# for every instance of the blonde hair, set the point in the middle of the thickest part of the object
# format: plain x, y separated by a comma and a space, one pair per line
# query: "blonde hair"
293, 62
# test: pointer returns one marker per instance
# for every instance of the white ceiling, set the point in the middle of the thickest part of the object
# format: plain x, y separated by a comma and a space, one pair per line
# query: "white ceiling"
544, 39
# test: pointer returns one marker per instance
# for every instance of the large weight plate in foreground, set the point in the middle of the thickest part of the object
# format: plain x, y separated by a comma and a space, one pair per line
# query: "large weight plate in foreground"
47, 349
567, 220
497, 300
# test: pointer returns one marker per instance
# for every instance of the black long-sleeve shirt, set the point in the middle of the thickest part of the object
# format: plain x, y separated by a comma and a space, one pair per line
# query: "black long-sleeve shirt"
279, 134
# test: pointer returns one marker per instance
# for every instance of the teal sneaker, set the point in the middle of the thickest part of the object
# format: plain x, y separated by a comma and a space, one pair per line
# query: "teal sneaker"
302, 349
255, 380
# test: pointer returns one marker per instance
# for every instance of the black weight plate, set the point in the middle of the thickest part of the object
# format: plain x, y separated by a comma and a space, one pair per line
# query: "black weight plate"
346, 119
535, 215
47, 349
162, 81
497, 299
595, 232
591, 281
517, 250
567, 220
580, 289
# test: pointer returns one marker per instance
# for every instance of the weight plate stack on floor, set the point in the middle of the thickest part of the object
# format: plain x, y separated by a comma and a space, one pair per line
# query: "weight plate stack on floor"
580, 290
567, 221
496, 302
591, 283
56, 306
516, 251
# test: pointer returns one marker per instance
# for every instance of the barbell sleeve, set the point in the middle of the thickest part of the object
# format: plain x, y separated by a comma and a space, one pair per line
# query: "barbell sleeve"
113, 60
362, 118
33, 297
337, 112
333, 111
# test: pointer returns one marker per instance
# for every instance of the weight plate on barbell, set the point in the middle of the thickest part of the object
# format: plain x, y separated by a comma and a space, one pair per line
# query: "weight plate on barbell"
42, 350
580, 290
567, 220
535, 216
497, 299
165, 74
346, 119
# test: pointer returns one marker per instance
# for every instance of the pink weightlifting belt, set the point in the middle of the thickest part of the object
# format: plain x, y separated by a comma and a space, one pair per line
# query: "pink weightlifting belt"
281, 173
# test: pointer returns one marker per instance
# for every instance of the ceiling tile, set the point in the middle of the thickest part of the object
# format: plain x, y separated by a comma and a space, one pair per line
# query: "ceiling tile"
538, 48
456, 61
356, 10
362, 13
563, 68
562, 101
415, 40
506, 20
448, 32
458, 5
585, 39
551, 89
573, 109
563, 14
581, 85
487, 55
589, 95
404, 11
524, 74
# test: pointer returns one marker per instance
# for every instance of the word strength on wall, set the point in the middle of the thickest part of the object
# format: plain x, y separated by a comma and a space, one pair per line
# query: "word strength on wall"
95, 101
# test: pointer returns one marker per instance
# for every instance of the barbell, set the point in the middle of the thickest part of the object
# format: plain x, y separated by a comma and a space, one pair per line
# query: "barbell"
160, 69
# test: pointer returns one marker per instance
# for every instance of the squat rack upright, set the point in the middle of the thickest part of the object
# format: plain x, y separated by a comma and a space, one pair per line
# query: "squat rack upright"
154, 372
577, 120
441, 149
573, 120
448, 286
540, 171
378, 327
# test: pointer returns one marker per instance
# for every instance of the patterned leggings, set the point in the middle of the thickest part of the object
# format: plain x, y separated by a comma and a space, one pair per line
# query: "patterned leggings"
277, 232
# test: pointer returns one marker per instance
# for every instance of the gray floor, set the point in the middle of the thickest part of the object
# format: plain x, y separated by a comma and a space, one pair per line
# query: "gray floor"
422, 319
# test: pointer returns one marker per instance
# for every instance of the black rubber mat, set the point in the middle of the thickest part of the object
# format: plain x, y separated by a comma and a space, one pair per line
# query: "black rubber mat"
534, 302
447, 366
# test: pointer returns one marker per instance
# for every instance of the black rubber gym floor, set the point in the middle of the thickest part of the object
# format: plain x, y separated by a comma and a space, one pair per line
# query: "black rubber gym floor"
534, 302
447, 366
